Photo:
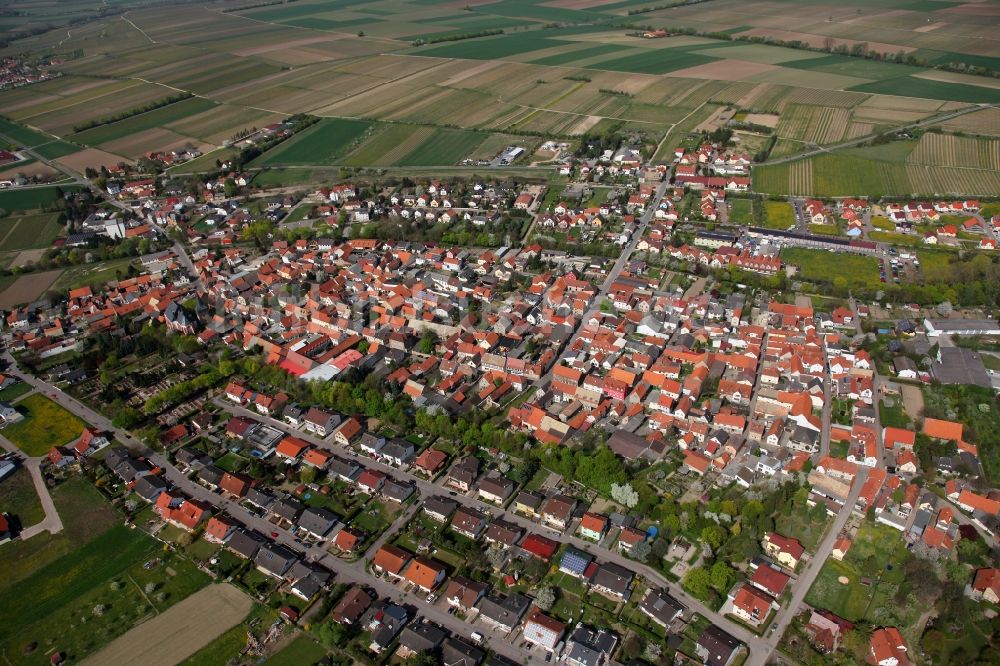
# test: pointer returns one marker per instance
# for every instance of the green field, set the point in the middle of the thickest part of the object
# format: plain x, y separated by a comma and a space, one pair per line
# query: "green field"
87, 598
26, 137
910, 86
32, 198
45, 424
444, 147
24, 232
654, 61
227, 646
324, 143
56, 149
825, 266
15, 391
144, 121
85, 516
18, 498
741, 211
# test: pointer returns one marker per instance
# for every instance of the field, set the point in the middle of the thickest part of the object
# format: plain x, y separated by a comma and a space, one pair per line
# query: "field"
741, 211
85, 517
825, 266
27, 288
93, 274
18, 498
45, 424
32, 198
90, 596
317, 145
200, 618
24, 232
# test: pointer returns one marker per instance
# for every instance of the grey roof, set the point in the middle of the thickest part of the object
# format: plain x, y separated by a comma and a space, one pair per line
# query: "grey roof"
259, 497
717, 646
441, 506
288, 508
506, 611
388, 620
245, 542
210, 474
317, 520
591, 647
613, 577
345, 469
398, 449
149, 487
397, 490
661, 606
275, 558
455, 652
422, 637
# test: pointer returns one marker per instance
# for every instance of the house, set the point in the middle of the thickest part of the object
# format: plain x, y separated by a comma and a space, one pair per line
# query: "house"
887, 648
840, 548
383, 622
391, 560
587, 646
463, 593
503, 612
352, 606
274, 559
439, 508
751, 605
557, 511
770, 580
348, 538
90, 441
245, 543
593, 526
660, 607
716, 647
425, 573
370, 481
219, 529
539, 546
496, 488
430, 461
348, 432
291, 448
502, 533
397, 452
468, 522
543, 631
459, 653
986, 585
612, 581
421, 638
527, 503
235, 484
785, 550
575, 562
320, 422
317, 522
463, 474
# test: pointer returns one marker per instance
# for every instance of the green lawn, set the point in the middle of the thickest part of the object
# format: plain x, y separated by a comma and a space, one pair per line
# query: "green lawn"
825, 266
778, 215
894, 416
25, 232
741, 211
45, 424
18, 498
874, 547
12, 393
302, 650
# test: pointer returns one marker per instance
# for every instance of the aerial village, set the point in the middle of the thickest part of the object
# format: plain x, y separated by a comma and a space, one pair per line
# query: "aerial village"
515, 453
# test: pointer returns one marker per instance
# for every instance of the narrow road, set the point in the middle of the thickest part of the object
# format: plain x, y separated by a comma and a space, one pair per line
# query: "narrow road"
808, 577
52, 523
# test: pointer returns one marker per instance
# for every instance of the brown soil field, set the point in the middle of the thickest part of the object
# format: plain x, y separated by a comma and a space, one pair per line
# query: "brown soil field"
90, 157
817, 40
29, 170
137, 145
928, 28
26, 256
578, 4
765, 119
27, 288
725, 70
185, 628
469, 72
973, 9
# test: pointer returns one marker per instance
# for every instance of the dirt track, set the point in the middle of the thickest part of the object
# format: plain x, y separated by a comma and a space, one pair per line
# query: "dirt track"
175, 635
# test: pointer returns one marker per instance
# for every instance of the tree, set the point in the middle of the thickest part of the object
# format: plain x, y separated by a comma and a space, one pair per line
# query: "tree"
698, 582
624, 494
545, 598
713, 535
721, 576
641, 551
496, 556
